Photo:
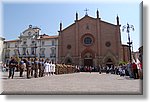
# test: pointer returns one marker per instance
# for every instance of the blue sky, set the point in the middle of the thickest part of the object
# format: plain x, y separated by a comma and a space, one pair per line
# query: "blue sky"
47, 15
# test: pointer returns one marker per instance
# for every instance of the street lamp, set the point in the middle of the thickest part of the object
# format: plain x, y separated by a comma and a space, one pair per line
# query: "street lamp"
128, 28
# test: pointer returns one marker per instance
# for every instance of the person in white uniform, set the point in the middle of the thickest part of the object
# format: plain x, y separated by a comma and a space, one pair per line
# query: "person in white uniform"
53, 69
46, 66
50, 68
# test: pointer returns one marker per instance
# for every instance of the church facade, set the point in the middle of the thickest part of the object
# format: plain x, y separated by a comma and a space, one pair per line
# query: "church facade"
91, 42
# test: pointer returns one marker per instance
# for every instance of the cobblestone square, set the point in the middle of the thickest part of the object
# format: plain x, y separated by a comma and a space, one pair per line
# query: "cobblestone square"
77, 83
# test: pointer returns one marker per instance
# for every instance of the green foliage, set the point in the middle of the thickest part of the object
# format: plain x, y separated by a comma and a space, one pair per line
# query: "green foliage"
17, 59
122, 62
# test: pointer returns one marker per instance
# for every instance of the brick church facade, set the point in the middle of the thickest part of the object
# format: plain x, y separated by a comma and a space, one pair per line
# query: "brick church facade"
91, 42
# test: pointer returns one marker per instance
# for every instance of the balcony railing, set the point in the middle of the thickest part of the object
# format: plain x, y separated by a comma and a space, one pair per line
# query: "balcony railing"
26, 55
52, 55
42, 55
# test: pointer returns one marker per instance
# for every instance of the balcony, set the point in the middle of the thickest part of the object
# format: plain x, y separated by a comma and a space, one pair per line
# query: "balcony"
52, 55
26, 55
42, 55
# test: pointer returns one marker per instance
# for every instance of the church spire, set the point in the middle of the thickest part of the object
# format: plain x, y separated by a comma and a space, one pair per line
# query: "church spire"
76, 16
60, 26
117, 20
97, 13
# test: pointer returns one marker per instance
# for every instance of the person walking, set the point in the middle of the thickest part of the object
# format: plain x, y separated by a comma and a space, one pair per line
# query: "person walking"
12, 65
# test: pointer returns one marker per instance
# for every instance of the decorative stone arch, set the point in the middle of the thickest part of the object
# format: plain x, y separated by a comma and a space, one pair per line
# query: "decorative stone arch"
109, 59
87, 50
88, 57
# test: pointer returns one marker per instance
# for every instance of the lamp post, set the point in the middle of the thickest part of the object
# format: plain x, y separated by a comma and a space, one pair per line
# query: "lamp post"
128, 28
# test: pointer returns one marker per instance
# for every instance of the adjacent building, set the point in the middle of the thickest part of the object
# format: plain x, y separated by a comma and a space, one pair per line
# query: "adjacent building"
31, 43
1, 48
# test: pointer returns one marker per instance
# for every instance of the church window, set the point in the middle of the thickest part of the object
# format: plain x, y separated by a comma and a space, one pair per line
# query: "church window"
108, 44
87, 40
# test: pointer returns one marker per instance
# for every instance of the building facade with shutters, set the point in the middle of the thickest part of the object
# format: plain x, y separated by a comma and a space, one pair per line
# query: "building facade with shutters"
31, 43
1, 49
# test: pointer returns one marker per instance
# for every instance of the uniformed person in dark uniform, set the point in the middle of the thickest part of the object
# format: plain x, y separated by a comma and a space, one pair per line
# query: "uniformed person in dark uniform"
40, 68
32, 67
36, 63
12, 65
29, 66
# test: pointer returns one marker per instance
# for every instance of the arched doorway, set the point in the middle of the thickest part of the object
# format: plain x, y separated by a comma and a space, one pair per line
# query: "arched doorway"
109, 62
88, 59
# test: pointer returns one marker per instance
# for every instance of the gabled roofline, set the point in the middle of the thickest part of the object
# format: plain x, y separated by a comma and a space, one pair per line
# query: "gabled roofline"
78, 21
108, 23
88, 17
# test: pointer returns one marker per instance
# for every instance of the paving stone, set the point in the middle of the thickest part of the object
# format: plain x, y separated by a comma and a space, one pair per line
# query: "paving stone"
76, 83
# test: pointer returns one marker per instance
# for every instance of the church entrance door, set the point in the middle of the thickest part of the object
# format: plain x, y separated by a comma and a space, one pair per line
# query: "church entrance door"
109, 63
88, 62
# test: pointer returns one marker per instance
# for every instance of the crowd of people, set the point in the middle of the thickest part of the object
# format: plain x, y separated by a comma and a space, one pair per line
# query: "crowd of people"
133, 70
34, 67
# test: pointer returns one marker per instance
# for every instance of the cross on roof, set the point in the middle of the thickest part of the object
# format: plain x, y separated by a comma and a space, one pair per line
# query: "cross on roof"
86, 11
